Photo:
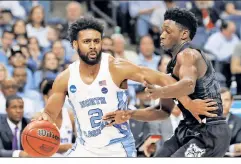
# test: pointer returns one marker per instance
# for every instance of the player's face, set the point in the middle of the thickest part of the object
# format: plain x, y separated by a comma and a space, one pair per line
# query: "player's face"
171, 35
88, 46
15, 110
227, 102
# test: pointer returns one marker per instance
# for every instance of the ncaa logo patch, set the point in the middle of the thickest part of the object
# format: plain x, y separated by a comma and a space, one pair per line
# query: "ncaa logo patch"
104, 90
73, 88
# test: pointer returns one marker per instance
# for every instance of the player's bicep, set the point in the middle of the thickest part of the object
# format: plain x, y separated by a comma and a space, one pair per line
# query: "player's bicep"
142, 74
188, 69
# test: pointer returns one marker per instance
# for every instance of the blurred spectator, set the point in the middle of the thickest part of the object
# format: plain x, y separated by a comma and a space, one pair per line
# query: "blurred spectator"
29, 4
6, 20
107, 45
140, 131
234, 123
3, 73
35, 50
36, 26
59, 51
162, 65
5, 45
48, 69
19, 27
119, 49
18, 59
73, 12
221, 44
12, 125
236, 66
31, 64
53, 36
233, 7
10, 88
142, 10
20, 75
206, 14
157, 19
21, 39
147, 57
14, 6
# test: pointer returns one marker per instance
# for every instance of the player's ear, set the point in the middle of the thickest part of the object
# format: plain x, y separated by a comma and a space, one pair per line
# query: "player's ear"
75, 45
185, 34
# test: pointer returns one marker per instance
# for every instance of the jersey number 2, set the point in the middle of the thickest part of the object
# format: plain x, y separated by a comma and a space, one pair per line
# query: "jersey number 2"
96, 116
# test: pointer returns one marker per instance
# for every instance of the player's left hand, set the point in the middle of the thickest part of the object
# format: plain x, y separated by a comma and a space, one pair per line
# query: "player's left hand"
152, 91
117, 117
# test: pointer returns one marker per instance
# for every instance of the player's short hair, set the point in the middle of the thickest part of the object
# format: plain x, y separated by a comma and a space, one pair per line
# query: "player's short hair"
84, 23
184, 18
10, 98
224, 90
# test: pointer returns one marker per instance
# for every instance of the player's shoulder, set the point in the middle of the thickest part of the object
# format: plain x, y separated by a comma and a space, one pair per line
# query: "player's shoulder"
188, 54
119, 62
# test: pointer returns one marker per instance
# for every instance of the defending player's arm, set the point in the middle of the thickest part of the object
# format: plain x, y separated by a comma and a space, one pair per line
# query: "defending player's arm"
146, 114
56, 100
187, 74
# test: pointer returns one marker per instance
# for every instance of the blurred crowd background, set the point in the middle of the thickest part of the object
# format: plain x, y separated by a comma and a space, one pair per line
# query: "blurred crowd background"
34, 49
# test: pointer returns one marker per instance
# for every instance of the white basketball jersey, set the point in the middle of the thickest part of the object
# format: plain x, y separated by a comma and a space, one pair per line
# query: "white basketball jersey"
66, 129
91, 102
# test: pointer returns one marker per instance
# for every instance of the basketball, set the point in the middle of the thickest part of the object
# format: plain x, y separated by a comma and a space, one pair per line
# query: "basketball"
40, 139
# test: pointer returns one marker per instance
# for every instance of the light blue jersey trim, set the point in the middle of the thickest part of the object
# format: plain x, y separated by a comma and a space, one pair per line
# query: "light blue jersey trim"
129, 146
71, 150
78, 124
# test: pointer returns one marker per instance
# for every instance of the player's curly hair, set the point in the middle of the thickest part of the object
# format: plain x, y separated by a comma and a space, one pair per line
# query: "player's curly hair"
83, 24
184, 18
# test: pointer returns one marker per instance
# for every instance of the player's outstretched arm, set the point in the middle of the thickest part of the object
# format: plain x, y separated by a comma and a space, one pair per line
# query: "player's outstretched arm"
170, 87
56, 100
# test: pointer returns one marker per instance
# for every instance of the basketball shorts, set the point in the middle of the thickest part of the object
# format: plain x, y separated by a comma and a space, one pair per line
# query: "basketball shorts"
121, 149
203, 140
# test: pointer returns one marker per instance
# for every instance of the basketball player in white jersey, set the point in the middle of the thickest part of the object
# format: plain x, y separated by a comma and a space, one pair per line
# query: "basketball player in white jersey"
97, 84
65, 119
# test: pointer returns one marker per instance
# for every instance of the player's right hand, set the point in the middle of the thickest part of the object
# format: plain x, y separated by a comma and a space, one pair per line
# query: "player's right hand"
117, 117
44, 116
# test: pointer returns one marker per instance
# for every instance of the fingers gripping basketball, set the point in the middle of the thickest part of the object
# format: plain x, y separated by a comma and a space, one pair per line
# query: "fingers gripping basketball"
40, 139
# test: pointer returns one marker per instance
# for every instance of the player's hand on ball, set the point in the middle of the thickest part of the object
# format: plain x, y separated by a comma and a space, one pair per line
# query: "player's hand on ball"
23, 154
44, 116
117, 117
202, 107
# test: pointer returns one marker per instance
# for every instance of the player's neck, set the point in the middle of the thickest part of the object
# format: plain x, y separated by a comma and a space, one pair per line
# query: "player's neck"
178, 47
88, 69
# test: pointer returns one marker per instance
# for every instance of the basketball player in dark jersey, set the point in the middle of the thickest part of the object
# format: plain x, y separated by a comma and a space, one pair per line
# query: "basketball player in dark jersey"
196, 135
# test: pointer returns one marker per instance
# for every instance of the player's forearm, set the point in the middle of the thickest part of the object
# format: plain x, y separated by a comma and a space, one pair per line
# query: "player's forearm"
149, 114
182, 88
54, 106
